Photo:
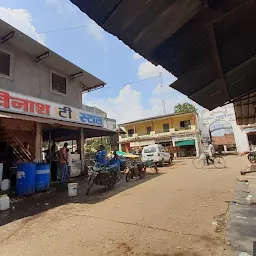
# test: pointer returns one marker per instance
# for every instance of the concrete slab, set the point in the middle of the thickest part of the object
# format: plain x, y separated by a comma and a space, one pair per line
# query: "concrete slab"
241, 228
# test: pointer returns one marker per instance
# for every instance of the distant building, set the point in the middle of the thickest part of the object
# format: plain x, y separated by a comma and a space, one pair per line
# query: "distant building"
173, 130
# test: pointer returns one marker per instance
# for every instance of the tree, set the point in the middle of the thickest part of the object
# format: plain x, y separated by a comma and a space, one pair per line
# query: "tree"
93, 144
184, 108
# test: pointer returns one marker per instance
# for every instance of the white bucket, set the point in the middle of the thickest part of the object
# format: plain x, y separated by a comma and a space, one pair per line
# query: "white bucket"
72, 189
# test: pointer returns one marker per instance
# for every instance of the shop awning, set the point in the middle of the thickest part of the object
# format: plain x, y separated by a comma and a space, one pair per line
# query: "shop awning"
89, 130
185, 143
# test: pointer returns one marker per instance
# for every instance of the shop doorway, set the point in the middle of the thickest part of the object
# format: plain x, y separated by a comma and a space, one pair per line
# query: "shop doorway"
222, 136
186, 148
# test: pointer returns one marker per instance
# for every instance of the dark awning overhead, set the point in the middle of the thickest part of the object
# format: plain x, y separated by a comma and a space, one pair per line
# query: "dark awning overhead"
208, 45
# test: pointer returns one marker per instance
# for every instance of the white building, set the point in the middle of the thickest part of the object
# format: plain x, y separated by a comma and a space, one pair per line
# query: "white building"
227, 114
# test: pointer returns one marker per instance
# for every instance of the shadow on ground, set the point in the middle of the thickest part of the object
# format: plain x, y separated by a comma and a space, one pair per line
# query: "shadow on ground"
38, 203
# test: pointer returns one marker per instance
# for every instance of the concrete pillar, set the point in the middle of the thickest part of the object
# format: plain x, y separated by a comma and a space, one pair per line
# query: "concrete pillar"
82, 149
120, 146
134, 128
197, 147
38, 142
225, 148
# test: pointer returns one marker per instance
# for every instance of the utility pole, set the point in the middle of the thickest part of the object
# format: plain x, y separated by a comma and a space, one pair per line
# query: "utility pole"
161, 85
164, 109
161, 79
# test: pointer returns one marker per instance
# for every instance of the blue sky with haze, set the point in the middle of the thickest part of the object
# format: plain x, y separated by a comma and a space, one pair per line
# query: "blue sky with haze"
98, 52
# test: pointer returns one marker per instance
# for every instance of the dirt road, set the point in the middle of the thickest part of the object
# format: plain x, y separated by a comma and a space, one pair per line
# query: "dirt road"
181, 211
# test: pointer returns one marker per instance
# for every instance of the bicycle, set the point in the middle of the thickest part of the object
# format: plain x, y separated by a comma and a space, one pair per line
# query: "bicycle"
218, 162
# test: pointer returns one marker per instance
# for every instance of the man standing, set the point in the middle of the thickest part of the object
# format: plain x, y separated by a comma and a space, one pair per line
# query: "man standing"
210, 153
63, 162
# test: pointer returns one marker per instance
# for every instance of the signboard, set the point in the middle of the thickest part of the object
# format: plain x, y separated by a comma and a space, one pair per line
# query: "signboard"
219, 117
183, 138
18, 103
142, 143
226, 113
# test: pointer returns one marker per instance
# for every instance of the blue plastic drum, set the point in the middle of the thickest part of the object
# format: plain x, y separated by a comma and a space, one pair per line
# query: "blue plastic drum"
42, 177
25, 179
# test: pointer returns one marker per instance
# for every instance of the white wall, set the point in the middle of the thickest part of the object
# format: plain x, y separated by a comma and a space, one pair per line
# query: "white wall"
33, 79
225, 113
110, 124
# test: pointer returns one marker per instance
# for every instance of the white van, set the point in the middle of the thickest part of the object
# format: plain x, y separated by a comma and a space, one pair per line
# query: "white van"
157, 154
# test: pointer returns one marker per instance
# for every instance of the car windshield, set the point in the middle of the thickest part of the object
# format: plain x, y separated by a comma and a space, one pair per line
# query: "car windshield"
150, 150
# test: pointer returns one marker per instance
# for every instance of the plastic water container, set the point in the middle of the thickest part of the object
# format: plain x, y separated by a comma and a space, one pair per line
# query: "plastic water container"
42, 177
25, 179
4, 203
5, 184
72, 189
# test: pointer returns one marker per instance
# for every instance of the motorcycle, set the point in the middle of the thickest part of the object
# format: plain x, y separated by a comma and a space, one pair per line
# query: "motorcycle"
105, 175
136, 169
252, 157
123, 165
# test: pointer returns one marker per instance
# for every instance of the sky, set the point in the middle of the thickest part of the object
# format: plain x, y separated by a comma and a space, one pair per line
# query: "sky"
87, 45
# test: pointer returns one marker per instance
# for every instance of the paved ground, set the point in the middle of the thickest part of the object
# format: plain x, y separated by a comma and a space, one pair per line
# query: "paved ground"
181, 211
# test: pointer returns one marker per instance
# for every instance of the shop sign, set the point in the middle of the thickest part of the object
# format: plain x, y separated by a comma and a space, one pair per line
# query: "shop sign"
183, 138
142, 143
18, 103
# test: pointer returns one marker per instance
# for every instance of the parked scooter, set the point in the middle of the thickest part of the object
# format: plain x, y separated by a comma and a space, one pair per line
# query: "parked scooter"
102, 175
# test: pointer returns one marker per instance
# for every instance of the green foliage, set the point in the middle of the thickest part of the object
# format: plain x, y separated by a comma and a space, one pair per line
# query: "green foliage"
184, 108
93, 145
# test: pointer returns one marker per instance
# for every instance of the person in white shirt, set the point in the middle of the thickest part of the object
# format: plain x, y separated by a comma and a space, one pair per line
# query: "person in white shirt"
210, 153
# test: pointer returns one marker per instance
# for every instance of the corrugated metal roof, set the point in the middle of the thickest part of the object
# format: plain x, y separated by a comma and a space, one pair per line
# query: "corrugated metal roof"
245, 109
58, 63
208, 45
